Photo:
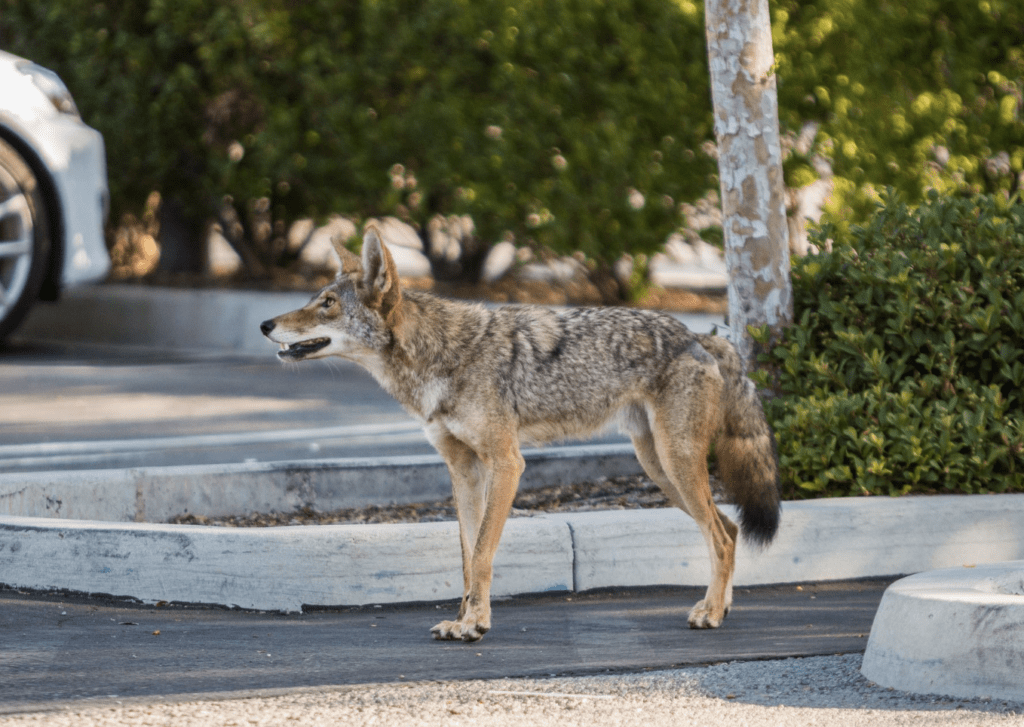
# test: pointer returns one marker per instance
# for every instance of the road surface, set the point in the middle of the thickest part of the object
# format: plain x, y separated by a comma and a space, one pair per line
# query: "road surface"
74, 407
61, 649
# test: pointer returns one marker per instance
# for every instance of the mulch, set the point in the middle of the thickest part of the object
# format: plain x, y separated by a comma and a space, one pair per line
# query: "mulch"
617, 493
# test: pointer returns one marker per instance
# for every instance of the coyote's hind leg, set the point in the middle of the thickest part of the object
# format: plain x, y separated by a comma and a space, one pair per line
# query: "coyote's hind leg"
674, 454
646, 454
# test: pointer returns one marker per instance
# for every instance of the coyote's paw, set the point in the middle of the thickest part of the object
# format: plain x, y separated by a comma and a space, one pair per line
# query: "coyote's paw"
704, 617
464, 630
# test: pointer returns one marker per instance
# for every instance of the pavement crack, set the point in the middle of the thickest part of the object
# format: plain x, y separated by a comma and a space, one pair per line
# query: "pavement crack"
572, 543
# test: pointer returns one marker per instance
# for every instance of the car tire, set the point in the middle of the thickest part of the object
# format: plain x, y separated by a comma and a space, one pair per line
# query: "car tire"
24, 239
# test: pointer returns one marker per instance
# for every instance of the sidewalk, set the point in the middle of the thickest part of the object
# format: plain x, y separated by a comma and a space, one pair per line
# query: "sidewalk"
78, 649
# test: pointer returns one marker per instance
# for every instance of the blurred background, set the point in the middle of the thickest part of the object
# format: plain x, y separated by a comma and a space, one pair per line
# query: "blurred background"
569, 132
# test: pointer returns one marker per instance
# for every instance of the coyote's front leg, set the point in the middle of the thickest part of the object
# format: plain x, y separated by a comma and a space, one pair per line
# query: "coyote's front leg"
484, 487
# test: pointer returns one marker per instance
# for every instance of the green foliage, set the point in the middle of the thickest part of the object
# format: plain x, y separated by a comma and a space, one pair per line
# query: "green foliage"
905, 369
910, 94
198, 99
541, 118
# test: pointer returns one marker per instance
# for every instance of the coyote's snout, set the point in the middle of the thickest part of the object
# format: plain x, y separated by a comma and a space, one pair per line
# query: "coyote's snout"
483, 381
297, 350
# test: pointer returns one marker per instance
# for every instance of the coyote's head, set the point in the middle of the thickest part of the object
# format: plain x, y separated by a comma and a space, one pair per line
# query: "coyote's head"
353, 317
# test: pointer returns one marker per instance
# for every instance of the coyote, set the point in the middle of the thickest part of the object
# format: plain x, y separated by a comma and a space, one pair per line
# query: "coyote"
485, 380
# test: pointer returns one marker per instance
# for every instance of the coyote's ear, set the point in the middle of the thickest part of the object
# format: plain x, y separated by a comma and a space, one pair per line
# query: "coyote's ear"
348, 261
380, 276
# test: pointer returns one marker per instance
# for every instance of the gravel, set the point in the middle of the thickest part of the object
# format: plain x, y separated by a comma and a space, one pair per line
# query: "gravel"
808, 691
618, 493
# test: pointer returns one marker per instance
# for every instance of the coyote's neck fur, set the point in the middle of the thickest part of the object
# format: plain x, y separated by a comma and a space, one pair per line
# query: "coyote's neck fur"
419, 367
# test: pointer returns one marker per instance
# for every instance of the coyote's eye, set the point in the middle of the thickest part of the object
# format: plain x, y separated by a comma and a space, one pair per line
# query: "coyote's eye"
328, 302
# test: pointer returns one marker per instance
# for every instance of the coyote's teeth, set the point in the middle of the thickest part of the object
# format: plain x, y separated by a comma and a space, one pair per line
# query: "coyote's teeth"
303, 349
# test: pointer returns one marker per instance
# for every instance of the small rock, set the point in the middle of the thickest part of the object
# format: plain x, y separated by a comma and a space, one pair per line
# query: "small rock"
221, 258
410, 263
524, 255
623, 269
450, 237
670, 274
567, 268
537, 271
709, 257
318, 250
299, 233
806, 204
399, 234
805, 142
445, 244
561, 270
679, 250
499, 261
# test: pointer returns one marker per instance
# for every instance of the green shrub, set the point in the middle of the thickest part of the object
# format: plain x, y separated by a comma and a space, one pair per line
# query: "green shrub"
910, 94
534, 117
904, 371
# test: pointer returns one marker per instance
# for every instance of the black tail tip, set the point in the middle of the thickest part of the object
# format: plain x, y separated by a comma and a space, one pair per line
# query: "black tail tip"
760, 524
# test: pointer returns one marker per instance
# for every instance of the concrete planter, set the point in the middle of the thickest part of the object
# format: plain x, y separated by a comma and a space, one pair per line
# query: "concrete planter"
285, 568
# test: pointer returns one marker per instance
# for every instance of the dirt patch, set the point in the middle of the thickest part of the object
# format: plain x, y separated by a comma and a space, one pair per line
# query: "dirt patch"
617, 493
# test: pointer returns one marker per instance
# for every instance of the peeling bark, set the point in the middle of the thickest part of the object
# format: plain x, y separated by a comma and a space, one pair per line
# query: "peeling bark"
750, 168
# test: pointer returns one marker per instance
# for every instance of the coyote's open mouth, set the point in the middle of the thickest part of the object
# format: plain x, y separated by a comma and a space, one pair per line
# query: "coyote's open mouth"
302, 348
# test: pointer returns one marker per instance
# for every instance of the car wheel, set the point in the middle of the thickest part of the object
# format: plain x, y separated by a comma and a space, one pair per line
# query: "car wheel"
24, 239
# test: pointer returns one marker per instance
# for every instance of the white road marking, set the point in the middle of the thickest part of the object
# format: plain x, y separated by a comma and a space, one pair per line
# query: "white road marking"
197, 441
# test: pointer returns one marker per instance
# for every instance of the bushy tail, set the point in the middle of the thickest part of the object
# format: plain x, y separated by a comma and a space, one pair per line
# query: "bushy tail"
748, 461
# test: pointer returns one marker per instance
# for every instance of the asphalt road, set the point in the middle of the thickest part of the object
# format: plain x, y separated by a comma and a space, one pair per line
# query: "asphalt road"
64, 649
81, 407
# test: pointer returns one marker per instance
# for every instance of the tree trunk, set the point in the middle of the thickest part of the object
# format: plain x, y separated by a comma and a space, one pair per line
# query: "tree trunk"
182, 243
750, 169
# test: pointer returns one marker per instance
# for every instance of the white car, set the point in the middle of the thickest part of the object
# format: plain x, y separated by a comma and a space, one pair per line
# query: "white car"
53, 191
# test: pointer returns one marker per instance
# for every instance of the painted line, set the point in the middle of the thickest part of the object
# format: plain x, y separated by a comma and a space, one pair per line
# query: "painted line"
121, 458
227, 439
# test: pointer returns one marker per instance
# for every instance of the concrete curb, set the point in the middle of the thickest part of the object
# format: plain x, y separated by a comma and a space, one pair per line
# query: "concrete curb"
157, 494
285, 568
957, 632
